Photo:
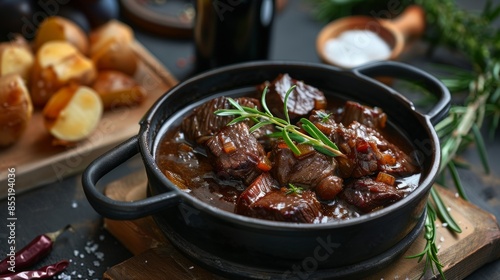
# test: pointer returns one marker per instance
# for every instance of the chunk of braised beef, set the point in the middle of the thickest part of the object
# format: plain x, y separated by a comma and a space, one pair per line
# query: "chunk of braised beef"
280, 205
263, 184
236, 154
301, 101
390, 158
366, 150
203, 123
310, 170
360, 159
369, 116
367, 194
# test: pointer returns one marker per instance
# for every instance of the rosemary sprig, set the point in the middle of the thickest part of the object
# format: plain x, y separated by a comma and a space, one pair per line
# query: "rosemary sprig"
286, 130
473, 35
292, 189
430, 251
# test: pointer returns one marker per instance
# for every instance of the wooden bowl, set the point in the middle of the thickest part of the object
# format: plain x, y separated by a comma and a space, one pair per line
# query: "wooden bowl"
396, 33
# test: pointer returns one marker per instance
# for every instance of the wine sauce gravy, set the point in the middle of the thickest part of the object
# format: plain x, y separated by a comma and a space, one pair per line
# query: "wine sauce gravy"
188, 167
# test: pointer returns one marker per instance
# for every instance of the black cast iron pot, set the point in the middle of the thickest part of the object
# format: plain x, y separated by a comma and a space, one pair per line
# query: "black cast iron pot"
239, 246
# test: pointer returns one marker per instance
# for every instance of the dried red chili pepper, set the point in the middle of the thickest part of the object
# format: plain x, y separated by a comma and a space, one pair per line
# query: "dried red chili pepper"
30, 254
45, 272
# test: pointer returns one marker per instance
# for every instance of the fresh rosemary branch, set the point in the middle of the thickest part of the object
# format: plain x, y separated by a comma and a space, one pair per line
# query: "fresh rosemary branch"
292, 189
473, 35
287, 131
430, 251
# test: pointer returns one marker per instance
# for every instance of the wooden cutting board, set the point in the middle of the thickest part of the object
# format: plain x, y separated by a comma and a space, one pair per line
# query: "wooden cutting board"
38, 162
154, 257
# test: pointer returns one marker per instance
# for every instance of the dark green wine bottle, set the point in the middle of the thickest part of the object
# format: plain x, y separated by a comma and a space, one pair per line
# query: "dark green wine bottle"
232, 31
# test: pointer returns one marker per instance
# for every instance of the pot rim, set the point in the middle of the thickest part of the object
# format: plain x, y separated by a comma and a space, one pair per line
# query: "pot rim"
149, 158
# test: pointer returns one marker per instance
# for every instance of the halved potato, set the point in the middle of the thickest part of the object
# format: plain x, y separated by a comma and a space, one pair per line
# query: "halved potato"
58, 63
15, 108
57, 28
111, 31
118, 89
16, 57
116, 55
73, 113
111, 48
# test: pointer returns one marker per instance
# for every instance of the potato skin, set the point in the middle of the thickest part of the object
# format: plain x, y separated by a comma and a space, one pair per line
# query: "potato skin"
116, 55
58, 28
16, 57
72, 114
16, 109
111, 47
118, 89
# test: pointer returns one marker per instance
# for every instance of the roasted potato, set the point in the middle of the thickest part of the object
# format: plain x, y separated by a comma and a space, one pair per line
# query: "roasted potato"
72, 113
111, 48
58, 63
118, 89
15, 108
57, 28
16, 57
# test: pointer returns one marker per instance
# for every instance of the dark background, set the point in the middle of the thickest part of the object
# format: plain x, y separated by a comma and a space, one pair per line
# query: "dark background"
92, 249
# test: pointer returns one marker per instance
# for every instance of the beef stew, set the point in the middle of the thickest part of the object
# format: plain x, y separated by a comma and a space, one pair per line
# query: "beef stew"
252, 174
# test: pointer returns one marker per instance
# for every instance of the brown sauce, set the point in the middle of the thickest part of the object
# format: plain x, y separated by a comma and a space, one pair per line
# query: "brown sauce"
187, 166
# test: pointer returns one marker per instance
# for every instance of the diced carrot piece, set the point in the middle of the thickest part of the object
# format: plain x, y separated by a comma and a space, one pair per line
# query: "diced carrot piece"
385, 178
304, 150
282, 145
388, 159
228, 147
264, 164
319, 104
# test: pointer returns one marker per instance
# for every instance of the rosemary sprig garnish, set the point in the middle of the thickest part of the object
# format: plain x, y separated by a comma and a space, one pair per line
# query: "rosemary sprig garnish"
292, 189
286, 130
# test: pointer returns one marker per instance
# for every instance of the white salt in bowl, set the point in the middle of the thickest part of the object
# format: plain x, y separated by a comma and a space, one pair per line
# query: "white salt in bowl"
353, 41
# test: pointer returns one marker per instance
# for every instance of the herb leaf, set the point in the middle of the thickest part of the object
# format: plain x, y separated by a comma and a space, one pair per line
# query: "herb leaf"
289, 142
313, 130
292, 189
430, 251
287, 131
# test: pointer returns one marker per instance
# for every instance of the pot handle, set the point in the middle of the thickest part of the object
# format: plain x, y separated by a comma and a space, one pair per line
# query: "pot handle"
114, 209
410, 73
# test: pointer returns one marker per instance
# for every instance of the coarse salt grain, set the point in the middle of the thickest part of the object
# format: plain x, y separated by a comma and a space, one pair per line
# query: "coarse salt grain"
99, 255
64, 276
356, 47
91, 248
